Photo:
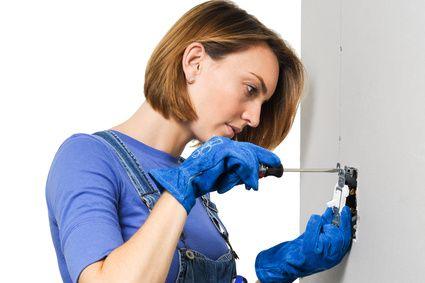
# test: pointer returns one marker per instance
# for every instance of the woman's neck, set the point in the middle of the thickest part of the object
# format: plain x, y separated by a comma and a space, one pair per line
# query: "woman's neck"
151, 128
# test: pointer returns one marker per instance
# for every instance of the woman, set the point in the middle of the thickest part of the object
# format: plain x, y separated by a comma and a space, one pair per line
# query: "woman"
124, 206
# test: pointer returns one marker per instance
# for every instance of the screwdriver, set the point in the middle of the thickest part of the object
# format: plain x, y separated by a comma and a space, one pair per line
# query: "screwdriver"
265, 170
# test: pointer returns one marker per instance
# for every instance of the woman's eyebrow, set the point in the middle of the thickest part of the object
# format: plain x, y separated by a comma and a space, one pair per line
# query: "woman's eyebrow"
263, 85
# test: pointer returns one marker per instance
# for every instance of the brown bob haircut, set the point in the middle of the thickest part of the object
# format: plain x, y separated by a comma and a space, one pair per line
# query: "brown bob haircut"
222, 28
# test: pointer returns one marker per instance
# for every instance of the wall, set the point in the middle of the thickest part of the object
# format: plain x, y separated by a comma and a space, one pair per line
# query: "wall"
364, 108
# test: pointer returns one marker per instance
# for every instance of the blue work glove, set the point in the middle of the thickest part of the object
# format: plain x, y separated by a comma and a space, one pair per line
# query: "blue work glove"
322, 246
218, 165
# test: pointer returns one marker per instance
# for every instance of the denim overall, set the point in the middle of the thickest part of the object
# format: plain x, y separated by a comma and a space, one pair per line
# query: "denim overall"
194, 266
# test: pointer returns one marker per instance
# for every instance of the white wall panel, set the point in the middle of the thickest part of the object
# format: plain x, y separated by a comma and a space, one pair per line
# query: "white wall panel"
365, 108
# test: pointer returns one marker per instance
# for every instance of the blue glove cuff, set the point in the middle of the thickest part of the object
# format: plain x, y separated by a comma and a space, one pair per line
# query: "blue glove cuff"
261, 273
271, 273
173, 180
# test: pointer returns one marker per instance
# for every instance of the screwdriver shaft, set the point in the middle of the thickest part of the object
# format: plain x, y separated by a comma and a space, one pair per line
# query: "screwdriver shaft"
312, 170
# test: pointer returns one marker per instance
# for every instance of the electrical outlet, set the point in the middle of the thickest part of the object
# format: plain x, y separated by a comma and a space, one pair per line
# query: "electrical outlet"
351, 175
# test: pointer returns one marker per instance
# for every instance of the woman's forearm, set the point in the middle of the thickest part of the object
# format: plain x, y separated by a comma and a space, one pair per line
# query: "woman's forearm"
147, 255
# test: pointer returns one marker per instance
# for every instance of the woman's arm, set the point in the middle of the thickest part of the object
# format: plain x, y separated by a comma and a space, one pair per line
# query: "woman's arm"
147, 255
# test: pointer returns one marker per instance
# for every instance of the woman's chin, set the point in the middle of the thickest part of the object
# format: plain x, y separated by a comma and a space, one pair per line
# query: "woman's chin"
218, 133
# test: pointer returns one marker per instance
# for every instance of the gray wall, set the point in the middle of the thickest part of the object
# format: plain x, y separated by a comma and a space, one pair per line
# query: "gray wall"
365, 108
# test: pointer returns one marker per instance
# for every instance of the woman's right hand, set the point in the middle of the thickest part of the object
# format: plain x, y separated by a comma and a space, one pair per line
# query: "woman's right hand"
218, 165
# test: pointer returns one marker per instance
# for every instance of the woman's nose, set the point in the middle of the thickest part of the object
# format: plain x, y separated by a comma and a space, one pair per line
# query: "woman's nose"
252, 114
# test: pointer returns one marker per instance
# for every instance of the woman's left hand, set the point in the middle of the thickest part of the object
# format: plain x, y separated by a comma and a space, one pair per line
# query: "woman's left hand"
322, 246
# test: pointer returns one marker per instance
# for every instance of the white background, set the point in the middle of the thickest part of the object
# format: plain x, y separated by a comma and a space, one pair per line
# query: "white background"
78, 66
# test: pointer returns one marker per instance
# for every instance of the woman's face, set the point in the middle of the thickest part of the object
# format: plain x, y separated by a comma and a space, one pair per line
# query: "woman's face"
229, 92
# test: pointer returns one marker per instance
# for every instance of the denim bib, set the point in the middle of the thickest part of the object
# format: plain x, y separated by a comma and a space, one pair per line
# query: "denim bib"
193, 265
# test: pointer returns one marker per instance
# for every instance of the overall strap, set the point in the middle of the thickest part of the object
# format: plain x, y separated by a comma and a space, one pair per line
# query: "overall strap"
212, 212
147, 192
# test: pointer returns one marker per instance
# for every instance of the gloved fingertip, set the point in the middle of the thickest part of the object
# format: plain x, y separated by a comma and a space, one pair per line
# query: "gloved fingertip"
313, 227
264, 155
346, 218
251, 188
222, 190
346, 210
253, 183
328, 215
278, 162
314, 217
274, 160
312, 245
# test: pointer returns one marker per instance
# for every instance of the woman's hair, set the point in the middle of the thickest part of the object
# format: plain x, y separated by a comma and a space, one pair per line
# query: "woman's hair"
222, 28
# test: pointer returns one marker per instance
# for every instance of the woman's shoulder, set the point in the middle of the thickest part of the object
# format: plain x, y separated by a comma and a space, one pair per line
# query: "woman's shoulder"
83, 141
83, 145
85, 152
82, 162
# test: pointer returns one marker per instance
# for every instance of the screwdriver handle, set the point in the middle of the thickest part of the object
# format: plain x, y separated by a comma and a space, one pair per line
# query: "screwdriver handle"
273, 171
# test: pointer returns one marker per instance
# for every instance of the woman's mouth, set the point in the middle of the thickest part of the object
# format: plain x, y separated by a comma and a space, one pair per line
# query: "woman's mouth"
230, 131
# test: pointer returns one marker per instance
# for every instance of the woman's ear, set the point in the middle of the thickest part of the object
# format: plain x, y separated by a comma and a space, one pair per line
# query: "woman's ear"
192, 60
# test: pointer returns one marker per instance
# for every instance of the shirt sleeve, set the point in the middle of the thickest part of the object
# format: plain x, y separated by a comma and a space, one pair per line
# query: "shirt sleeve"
83, 193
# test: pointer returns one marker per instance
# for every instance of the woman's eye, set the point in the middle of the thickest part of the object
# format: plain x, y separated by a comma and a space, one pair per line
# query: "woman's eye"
251, 90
